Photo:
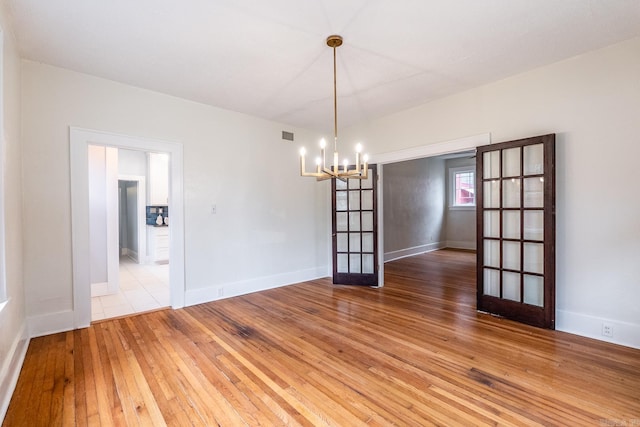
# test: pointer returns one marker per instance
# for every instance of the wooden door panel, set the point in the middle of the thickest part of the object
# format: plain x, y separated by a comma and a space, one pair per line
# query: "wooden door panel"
515, 205
355, 230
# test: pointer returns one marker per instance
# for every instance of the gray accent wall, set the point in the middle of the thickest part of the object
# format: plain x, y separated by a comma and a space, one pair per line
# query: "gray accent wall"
417, 214
128, 213
414, 206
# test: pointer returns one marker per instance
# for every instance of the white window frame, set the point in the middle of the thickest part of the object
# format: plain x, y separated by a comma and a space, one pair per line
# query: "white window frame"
452, 187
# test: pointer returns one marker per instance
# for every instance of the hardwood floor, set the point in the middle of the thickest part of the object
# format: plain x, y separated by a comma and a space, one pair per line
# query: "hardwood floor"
412, 353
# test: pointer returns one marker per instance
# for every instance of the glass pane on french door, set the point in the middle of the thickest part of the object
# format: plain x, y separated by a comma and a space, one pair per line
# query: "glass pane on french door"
516, 230
355, 230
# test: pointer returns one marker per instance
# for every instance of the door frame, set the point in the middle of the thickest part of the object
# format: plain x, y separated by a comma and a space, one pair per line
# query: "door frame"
429, 150
79, 140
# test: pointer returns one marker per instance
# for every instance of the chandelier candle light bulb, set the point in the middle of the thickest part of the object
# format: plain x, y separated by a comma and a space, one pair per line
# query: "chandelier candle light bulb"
322, 173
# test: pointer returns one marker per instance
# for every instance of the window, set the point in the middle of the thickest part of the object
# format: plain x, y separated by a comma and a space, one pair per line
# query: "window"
462, 187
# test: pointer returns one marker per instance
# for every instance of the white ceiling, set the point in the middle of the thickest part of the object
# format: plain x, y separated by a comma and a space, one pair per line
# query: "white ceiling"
269, 58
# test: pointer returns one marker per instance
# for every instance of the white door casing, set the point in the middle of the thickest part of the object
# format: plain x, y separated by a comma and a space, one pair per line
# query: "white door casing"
79, 140
430, 150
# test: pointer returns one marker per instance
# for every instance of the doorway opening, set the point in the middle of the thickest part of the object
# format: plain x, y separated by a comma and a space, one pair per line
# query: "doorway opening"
422, 211
458, 148
81, 140
513, 198
143, 285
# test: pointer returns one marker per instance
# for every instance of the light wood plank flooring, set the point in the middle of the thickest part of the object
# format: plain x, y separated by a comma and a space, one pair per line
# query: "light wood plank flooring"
412, 353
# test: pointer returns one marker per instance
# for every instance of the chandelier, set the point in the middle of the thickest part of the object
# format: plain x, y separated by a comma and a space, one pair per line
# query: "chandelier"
335, 171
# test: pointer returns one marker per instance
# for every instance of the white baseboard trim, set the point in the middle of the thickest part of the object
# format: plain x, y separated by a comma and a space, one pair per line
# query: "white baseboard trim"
457, 244
133, 255
627, 334
51, 323
227, 290
99, 289
416, 250
10, 370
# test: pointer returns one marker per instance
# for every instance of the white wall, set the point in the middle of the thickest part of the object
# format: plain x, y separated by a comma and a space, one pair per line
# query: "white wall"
103, 220
132, 162
592, 103
98, 213
270, 227
13, 342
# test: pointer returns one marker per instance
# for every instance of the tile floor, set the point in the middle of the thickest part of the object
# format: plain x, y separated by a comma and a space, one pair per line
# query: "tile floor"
143, 287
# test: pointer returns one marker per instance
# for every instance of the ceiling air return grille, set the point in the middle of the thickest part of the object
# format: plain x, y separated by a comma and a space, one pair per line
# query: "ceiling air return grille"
288, 136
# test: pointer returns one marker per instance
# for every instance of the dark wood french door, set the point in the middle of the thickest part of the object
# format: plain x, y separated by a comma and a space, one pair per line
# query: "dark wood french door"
355, 230
515, 204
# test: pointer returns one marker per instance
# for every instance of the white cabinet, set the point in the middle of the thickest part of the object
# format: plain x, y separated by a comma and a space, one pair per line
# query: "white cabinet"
158, 179
158, 243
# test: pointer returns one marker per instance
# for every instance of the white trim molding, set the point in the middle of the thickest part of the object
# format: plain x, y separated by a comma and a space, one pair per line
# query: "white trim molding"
10, 369
51, 323
451, 187
627, 334
100, 289
461, 244
429, 150
436, 149
227, 290
415, 250
3, 158
79, 140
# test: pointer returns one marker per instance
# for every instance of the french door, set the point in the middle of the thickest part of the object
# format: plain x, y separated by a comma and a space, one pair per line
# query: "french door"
355, 230
515, 204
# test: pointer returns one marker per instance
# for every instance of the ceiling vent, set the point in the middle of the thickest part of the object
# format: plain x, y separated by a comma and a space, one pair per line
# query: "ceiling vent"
288, 136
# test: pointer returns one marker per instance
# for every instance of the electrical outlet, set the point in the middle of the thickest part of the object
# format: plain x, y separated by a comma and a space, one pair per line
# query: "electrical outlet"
214, 210
220, 292
607, 329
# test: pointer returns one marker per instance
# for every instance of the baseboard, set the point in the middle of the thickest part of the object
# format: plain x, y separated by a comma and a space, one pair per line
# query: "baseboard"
52, 323
227, 290
416, 250
10, 370
457, 244
99, 289
133, 255
627, 334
